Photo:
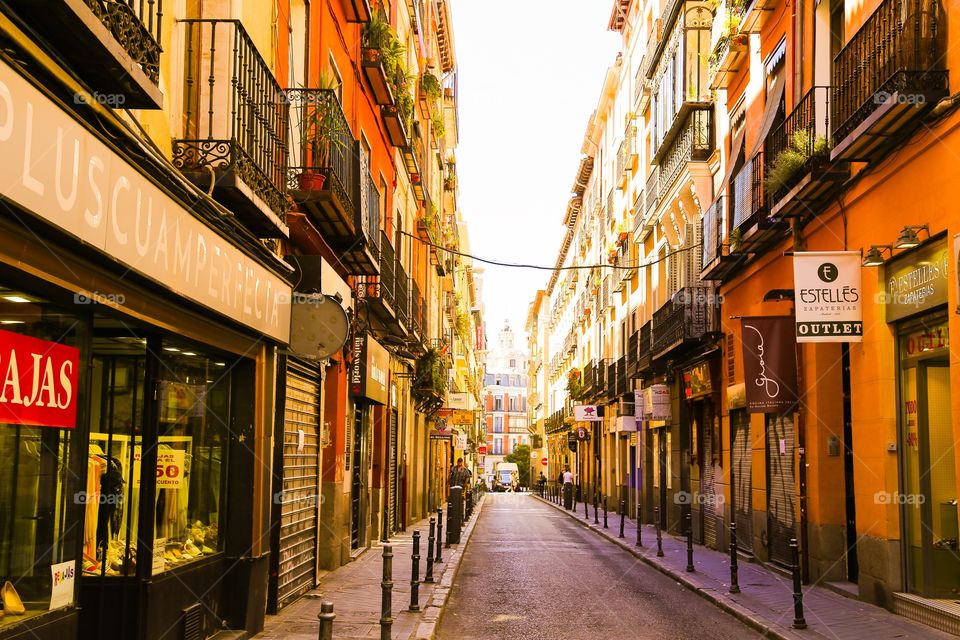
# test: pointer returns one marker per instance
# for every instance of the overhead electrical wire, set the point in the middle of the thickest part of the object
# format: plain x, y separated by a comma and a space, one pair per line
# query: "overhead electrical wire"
540, 267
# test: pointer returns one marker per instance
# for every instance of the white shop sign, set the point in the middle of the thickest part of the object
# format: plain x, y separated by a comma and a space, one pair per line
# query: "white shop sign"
56, 169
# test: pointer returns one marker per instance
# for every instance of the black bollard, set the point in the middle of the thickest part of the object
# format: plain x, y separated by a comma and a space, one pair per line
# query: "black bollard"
326, 617
639, 525
734, 577
386, 585
576, 496
439, 557
623, 515
596, 518
430, 540
604, 512
415, 573
690, 567
798, 620
586, 513
656, 519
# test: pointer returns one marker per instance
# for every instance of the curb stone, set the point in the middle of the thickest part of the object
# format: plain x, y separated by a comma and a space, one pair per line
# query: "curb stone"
741, 613
427, 628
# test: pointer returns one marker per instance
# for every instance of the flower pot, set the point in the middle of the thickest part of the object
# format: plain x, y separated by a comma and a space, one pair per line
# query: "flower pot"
311, 181
370, 55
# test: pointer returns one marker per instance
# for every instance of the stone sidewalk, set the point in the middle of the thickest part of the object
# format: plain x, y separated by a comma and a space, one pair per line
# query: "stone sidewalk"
355, 592
766, 598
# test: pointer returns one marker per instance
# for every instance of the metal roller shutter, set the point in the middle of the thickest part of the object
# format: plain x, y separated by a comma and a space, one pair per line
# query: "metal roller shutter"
392, 482
743, 478
781, 515
706, 485
301, 486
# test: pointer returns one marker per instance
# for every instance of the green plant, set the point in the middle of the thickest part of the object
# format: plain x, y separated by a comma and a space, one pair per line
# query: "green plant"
735, 240
788, 164
439, 127
521, 457
732, 23
377, 33
405, 104
429, 382
575, 384
430, 86
463, 326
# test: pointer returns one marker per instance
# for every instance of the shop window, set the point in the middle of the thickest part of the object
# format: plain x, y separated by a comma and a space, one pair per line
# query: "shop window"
39, 467
194, 419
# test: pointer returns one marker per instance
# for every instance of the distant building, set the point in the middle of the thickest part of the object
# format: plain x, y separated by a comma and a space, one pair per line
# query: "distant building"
505, 398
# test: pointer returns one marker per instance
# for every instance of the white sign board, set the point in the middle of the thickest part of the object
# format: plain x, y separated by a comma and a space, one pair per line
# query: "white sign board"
658, 402
586, 413
639, 404
159, 546
458, 400
461, 442
170, 468
57, 169
828, 296
62, 581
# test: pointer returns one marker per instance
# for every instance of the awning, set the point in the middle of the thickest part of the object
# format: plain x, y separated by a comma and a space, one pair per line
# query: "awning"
735, 148
769, 113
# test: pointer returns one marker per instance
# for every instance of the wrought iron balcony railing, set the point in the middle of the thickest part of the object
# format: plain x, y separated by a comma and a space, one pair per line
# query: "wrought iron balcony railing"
236, 122
690, 315
694, 143
403, 294
622, 383
747, 198
651, 190
124, 65
611, 390
633, 352
713, 231
898, 52
805, 133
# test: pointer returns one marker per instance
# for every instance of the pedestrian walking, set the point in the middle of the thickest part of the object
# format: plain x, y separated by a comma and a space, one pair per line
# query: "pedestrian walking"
567, 489
459, 475
542, 482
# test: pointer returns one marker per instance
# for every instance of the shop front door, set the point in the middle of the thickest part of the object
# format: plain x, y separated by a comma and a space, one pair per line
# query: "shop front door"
929, 503
742, 479
781, 512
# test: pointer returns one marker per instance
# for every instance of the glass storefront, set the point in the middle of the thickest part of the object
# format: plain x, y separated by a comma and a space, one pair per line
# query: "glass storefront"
39, 479
929, 497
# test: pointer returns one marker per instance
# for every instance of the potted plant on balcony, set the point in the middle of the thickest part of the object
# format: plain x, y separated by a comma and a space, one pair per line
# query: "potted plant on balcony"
789, 163
574, 384
430, 87
322, 131
377, 36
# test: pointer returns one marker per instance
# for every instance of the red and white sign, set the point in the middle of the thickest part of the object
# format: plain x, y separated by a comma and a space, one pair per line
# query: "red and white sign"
482, 450
170, 468
39, 381
543, 461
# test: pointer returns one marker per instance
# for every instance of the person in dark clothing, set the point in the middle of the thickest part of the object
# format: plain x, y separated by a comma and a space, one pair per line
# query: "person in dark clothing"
459, 475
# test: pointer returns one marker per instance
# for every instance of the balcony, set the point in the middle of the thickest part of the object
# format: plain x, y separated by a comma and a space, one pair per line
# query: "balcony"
622, 382
800, 177
685, 321
889, 73
651, 190
731, 49
402, 295
681, 78
112, 45
357, 10
385, 296
641, 88
633, 353
375, 71
394, 125
644, 355
611, 387
751, 227
717, 260
329, 183
626, 156
236, 124
693, 143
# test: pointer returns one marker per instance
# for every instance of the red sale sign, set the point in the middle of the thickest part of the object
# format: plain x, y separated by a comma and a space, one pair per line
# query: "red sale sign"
39, 381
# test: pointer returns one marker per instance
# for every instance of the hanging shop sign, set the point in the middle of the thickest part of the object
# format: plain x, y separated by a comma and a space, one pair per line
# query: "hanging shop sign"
639, 404
581, 434
657, 402
458, 400
368, 369
624, 424
696, 381
460, 442
917, 281
441, 435
62, 173
769, 364
828, 296
587, 413
482, 450
39, 381
461, 417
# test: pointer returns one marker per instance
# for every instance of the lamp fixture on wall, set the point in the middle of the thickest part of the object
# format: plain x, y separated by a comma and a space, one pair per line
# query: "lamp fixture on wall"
908, 237
874, 257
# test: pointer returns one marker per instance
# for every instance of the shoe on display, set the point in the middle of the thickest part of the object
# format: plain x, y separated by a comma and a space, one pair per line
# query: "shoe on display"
12, 604
207, 550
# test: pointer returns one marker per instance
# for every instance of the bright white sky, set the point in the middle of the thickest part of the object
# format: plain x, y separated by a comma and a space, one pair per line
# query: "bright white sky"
530, 74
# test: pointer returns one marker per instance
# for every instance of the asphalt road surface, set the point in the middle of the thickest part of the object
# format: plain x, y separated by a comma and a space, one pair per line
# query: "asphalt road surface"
531, 572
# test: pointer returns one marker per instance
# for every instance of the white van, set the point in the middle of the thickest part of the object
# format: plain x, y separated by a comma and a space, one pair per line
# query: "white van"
506, 477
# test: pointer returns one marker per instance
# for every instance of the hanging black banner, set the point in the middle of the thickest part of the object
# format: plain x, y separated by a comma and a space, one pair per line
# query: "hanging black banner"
769, 363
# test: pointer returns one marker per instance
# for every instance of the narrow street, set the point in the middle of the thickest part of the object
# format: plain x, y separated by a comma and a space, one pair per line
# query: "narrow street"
531, 572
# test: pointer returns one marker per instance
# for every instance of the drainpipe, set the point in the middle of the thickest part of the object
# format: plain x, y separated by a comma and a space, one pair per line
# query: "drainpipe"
800, 244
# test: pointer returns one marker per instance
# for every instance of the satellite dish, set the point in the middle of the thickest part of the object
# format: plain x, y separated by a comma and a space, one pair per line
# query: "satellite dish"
319, 326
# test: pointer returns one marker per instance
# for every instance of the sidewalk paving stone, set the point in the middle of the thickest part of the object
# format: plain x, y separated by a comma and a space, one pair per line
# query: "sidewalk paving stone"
766, 598
355, 591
